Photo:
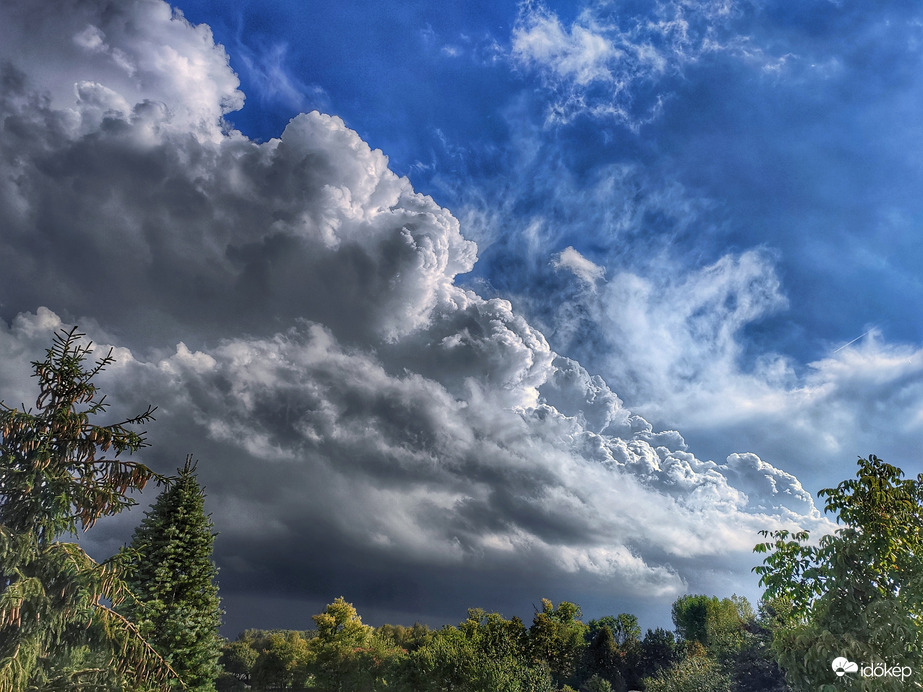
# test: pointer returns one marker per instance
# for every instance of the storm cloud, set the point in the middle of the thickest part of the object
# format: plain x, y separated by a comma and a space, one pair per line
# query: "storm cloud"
365, 425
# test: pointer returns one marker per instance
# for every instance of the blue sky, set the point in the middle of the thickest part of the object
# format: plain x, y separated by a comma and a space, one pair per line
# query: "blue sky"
545, 299
654, 138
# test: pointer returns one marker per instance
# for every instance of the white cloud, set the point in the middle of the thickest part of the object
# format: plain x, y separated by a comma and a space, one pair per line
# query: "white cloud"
143, 51
675, 345
578, 54
680, 342
679, 333
263, 232
601, 63
580, 266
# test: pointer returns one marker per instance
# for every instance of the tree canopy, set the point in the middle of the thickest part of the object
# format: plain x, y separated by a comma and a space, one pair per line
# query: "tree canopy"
856, 593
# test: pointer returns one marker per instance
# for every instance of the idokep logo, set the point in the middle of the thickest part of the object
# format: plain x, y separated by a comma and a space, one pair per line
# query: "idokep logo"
842, 665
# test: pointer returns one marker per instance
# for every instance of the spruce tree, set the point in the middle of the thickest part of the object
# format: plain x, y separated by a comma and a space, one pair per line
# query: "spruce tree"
173, 578
56, 629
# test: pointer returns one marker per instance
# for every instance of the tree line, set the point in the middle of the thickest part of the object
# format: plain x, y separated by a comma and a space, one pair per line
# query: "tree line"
841, 612
718, 645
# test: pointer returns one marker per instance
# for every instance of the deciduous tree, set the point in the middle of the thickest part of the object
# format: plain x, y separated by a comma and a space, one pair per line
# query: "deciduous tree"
237, 659
716, 624
345, 654
857, 593
695, 673
283, 661
659, 650
558, 637
484, 653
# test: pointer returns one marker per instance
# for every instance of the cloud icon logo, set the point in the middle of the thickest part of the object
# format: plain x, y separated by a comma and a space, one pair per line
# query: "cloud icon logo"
841, 666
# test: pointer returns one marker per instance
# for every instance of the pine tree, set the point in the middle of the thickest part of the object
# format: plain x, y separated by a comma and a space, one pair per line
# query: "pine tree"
56, 629
173, 578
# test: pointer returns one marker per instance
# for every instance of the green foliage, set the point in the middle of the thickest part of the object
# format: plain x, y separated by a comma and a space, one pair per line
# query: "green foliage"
718, 625
659, 650
859, 592
345, 654
484, 653
692, 674
341, 625
237, 659
722, 641
53, 480
605, 660
624, 628
753, 668
487, 653
614, 650
283, 661
56, 632
406, 638
173, 578
266, 659
557, 637
597, 684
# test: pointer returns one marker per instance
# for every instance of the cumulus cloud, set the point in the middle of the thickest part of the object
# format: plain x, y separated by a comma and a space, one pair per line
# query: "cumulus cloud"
291, 307
145, 52
675, 344
683, 324
229, 228
677, 349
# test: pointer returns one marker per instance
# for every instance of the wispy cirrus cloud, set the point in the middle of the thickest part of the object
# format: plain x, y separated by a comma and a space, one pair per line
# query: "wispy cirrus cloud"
580, 266
613, 65
274, 79
679, 326
581, 53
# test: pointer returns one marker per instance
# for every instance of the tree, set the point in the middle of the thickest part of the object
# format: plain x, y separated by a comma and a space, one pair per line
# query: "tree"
659, 650
602, 658
718, 625
857, 593
597, 683
484, 653
558, 637
56, 630
406, 638
173, 579
614, 650
754, 668
238, 658
345, 654
695, 673
624, 627
282, 661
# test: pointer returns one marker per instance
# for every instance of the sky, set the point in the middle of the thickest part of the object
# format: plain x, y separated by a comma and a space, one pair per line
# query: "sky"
468, 304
